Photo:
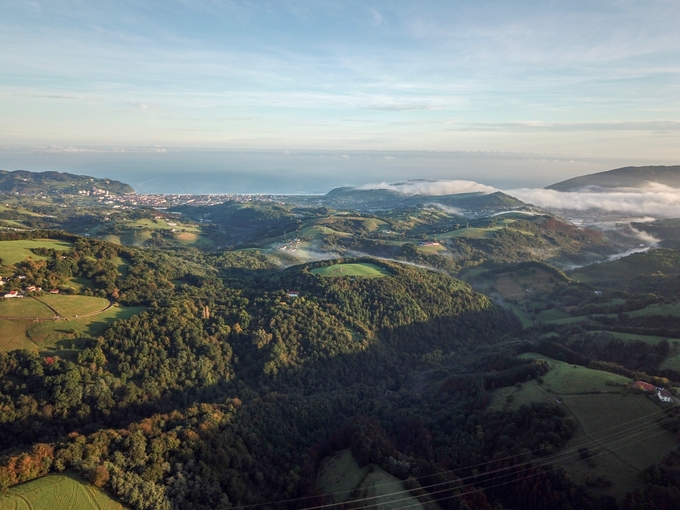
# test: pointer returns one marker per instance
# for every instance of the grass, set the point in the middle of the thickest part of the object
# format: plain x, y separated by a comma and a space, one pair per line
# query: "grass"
71, 306
12, 252
601, 407
48, 334
362, 269
619, 458
648, 339
14, 335
53, 334
521, 284
658, 309
474, 233
341, 476
24, 307
551, 315
61, 491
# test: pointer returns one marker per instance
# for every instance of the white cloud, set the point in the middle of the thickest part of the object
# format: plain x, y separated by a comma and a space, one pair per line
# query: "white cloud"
655, 200
432, 188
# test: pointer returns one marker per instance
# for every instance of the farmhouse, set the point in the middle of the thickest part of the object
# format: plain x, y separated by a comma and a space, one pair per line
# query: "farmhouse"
646, 387
430, 243
293, 293
664, 395
54, 291
12, 294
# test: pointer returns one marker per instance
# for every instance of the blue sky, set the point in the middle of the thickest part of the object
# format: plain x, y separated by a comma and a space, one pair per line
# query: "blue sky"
578, 79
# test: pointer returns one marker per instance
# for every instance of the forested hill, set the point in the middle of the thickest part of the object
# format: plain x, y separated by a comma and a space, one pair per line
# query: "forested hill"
627, 177
373, 199
31, 183
224, 389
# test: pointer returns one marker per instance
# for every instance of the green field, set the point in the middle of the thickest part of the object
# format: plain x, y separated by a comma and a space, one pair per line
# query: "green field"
657, 309
648, 339
12, 252
72, 306
51, 334
362, 269
601, 407
552, 314
63, 492
24, 307
341, 476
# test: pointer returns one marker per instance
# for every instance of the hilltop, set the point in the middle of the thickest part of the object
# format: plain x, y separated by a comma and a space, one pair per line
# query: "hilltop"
627, 177
375, 199
22, 182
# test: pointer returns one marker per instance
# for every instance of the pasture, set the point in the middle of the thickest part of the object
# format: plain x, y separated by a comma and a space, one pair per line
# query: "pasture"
361, 269
49, 334
341, 476
75, 305
25, 307
65, 492
12, 252
523, 283
619, 427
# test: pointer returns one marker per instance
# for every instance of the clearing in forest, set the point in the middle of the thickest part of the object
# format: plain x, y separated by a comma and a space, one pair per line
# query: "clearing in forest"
362, 269
12, 252
521, 284
66, 492
341, 477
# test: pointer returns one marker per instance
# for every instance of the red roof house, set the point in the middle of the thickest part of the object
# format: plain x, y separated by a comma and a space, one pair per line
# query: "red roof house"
641, 385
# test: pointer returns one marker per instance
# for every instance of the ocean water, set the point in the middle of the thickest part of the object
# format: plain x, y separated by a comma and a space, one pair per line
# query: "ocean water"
202, 171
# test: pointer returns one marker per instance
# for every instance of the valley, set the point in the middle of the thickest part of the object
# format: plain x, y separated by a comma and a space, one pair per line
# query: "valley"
364, 346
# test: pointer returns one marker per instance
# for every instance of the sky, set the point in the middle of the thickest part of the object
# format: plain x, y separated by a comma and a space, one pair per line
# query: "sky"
447, 89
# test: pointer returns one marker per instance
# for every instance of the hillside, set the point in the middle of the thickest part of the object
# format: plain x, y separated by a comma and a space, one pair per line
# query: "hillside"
381, 199
23, 182
627, 177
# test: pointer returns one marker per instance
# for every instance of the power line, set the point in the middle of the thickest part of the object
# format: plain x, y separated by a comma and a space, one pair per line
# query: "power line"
541, 462
473, 466
503, 483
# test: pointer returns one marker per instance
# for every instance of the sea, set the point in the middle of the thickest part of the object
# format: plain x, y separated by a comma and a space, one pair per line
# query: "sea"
173, 170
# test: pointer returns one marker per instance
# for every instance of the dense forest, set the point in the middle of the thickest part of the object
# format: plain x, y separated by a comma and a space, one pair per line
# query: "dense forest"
229, 389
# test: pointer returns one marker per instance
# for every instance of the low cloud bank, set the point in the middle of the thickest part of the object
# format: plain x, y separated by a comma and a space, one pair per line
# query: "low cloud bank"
655, 200
432, 188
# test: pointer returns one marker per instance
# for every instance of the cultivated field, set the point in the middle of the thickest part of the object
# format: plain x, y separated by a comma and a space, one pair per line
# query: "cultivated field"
61, 492
362, 269
12, 252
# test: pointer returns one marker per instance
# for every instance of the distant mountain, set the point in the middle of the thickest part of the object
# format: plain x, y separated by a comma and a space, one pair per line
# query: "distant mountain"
376, 199
23, 182
627, 177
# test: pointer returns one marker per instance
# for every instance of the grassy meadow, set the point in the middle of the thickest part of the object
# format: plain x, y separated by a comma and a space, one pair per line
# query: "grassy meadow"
619, 427
362, 269
63, 492
12, 252
341, 476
